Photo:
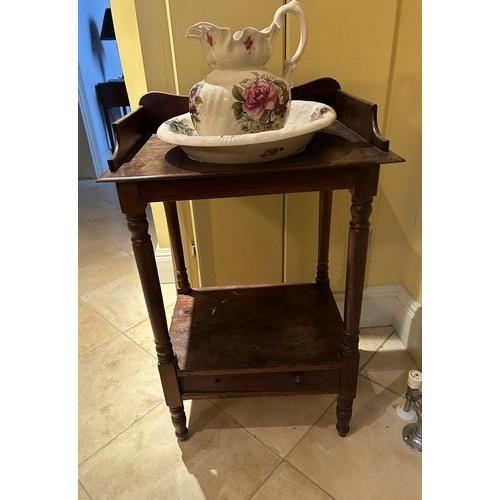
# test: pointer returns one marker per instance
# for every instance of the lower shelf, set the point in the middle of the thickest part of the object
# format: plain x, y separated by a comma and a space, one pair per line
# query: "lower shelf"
261, 335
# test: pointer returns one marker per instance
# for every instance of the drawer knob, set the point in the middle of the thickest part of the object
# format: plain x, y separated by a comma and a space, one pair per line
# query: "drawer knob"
298, 380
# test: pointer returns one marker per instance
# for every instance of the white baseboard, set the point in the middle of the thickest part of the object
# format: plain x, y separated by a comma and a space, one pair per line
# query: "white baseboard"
378, 305
391, 305
165, 265
408, 324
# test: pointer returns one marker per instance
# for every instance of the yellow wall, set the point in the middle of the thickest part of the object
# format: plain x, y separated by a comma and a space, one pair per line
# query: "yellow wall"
139, 27
402, 188
143, 40
374, 50
350, 41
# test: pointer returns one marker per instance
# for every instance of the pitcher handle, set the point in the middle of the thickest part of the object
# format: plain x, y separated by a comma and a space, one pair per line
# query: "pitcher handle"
293, 8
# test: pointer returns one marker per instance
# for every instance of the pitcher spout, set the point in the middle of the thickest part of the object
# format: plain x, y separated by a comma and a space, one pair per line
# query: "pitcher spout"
248, 48
198, 30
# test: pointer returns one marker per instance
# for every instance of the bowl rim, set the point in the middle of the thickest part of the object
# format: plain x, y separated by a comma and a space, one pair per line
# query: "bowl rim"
291, 129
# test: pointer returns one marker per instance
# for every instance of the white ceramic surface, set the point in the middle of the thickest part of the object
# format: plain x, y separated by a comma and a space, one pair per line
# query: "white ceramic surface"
241, 95
306, 118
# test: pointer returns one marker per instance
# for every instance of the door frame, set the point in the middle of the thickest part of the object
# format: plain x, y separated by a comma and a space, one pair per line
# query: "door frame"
89, 126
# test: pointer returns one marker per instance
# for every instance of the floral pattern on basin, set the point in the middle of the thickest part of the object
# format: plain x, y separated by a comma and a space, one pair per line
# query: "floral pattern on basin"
271, 152
318, 113
178, 127
261, 103
304, 120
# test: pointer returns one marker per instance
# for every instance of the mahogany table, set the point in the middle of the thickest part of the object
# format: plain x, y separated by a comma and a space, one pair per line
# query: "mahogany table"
265, 340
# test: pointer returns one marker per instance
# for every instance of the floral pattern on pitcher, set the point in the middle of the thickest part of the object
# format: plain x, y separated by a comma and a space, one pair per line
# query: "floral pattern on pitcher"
210, 41
248, 43
261, 103
194, 102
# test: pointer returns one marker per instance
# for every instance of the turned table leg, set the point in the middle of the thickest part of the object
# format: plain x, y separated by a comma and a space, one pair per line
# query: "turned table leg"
359, 230
325, 217
174, 232
148, 273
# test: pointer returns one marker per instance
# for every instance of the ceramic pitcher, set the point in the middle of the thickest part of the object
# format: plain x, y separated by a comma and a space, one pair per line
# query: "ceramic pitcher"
241, 95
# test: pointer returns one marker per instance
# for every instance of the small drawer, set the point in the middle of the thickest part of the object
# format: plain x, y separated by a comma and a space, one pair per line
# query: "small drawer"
314, 381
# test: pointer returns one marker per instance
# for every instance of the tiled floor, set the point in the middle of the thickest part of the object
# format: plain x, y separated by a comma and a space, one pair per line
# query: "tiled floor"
284, 448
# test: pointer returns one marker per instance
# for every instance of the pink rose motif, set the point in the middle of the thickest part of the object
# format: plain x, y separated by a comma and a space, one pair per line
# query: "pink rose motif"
210, 40
248, 42
259, 97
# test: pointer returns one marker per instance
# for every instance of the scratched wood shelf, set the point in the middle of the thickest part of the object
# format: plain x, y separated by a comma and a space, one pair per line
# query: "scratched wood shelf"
289, 333
274, 339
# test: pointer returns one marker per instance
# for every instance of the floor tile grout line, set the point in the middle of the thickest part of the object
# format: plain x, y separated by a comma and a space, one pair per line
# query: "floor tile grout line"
155, 357
101, 221
139, 345
246, 430
381, 385
105, 284
119, 434
115, 337
101, 235
110, 242
377, 350
307, 432
265, 480
80, 297
107, 321
114, 326
91, 251
405, 348
333, 402
100, 345
314, 423
307, 477
282, 459
285, 458
85, 489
